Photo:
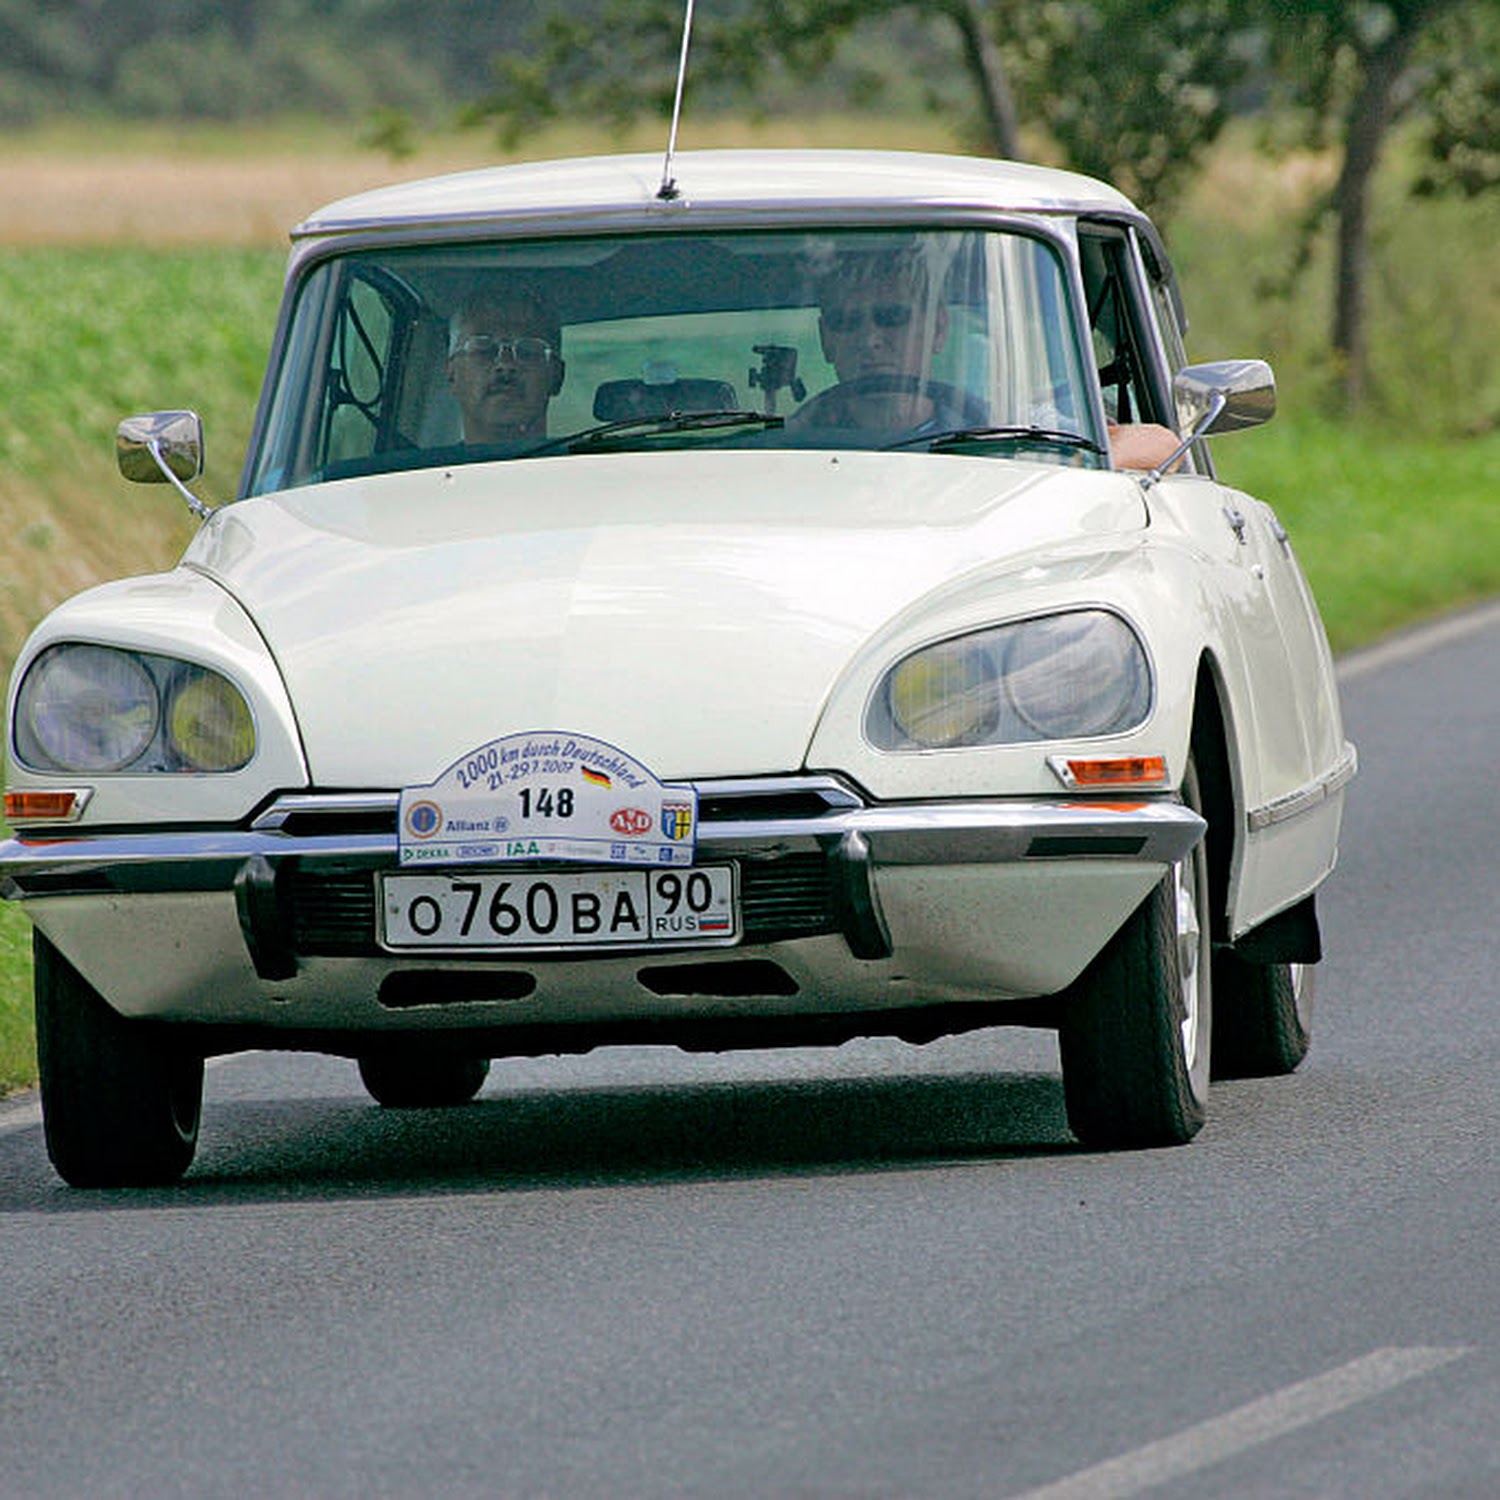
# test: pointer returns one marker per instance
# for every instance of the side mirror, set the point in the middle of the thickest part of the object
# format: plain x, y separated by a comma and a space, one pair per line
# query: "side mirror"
1224, 396
163, 447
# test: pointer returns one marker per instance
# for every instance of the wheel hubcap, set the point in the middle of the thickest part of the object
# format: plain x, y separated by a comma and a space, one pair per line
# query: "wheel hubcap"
1189, 950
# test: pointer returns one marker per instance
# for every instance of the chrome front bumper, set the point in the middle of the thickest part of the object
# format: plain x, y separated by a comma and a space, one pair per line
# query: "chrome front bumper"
298, 850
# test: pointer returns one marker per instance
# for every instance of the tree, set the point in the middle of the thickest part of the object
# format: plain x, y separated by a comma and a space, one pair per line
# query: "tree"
1134, 91
1131, 90
1358, 67
621, 61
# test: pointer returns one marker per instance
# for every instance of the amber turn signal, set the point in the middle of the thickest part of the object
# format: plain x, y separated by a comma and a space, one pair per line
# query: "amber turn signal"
54, 807
1121, 770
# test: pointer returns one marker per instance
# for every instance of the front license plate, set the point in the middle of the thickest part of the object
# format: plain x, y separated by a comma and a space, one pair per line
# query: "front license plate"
560, 909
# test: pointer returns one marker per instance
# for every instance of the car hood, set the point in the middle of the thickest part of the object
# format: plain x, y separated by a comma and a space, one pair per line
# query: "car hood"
693, 609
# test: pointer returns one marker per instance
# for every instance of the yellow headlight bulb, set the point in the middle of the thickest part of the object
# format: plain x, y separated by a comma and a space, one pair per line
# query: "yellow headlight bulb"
944, 695
209, 724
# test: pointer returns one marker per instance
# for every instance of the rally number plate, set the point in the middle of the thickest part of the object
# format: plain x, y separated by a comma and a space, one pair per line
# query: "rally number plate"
518, 908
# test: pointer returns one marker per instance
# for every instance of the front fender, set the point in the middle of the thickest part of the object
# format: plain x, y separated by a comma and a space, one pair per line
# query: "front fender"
184, 615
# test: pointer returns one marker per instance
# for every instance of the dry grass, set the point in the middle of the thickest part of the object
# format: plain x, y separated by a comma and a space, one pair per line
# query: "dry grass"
179, 198
185, 187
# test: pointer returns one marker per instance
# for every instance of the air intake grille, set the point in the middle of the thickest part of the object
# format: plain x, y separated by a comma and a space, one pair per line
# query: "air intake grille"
333, 913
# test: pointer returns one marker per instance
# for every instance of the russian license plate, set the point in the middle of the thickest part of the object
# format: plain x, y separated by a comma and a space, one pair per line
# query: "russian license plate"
517, 908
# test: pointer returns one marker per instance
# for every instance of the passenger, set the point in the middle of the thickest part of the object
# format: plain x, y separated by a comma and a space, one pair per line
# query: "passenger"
505, 365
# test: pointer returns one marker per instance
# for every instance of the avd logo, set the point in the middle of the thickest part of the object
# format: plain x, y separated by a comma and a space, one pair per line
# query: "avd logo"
630, 822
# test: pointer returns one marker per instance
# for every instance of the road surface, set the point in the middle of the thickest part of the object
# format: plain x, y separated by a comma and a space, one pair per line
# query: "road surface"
882, 1271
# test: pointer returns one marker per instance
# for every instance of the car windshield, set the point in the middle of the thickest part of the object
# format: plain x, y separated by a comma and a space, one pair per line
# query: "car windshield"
957, 340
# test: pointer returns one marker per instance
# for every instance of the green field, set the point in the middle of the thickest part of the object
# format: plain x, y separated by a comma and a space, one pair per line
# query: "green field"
1394, 516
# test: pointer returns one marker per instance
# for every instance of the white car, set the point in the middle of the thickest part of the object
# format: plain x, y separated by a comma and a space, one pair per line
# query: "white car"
706, 612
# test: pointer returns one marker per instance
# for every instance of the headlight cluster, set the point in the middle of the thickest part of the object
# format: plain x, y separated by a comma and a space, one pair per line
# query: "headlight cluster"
92, 709
1064, 676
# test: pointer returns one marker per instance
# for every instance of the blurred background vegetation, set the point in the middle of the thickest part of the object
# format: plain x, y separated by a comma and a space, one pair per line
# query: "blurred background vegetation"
1322, 171
1135, 91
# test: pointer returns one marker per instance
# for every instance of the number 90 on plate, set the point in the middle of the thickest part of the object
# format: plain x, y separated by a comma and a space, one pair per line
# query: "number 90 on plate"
478, 909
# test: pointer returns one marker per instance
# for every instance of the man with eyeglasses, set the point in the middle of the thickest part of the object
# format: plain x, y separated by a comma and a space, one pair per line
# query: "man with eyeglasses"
504, 366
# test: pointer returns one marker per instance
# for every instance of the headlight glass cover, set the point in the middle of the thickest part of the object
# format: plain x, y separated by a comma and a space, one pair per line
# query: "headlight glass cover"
87, 709
1074, 675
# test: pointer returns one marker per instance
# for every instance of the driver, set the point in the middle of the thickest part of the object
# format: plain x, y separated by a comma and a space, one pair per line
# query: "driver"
880, 330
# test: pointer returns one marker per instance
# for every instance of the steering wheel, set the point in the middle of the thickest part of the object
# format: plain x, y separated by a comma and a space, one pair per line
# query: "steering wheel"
952, 407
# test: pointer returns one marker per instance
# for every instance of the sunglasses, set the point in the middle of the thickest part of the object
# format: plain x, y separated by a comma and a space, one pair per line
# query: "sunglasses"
526, 350
886, 315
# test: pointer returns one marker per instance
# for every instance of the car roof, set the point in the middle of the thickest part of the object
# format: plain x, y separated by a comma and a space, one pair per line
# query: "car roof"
738, 186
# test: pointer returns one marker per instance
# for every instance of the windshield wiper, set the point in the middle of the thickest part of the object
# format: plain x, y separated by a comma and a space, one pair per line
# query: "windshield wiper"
661, 423
956, 437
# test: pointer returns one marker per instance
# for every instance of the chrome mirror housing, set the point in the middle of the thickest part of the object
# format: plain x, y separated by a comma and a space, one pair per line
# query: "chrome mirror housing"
1224, 396
163, 447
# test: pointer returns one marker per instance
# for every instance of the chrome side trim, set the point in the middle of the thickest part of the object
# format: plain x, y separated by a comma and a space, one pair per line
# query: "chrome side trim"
327, 803
835, 793
1304, 799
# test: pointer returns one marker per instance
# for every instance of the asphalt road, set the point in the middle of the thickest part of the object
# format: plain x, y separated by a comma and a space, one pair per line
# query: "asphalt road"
882, 1271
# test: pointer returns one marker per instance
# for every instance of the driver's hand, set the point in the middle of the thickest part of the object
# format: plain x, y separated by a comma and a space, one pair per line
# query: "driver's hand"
1142, 445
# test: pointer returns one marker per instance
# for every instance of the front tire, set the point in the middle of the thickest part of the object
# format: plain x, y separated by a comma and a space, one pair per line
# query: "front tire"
120, 1102
422, 1080
1136, 1031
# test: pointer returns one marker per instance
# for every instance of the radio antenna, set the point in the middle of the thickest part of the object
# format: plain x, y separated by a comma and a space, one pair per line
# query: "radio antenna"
668, 189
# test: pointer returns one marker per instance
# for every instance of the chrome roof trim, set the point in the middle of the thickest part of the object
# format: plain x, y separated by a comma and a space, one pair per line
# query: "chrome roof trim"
715, 187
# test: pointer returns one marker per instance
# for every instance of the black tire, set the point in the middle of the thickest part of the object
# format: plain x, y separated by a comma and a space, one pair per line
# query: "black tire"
1263, 1017
422, 1080
1136, 1031
120, 1100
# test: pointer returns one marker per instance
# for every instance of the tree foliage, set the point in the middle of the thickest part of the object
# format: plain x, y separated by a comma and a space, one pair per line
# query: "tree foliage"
1463, 129
237, 59
1355, 68
1132, 90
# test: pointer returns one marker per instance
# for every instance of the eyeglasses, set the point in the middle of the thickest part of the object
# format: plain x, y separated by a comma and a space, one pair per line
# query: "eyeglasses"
525, 350
887, 315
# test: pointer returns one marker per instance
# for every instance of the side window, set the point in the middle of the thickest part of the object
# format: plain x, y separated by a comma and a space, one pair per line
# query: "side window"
364, 364
1117, 327
1169, 321
1166, 319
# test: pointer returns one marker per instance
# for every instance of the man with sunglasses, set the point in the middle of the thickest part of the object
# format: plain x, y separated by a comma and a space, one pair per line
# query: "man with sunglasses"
504, 366
880, 331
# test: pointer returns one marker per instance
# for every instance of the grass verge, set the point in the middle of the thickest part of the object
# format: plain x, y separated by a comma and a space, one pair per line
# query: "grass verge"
1389, 533
17, 1043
